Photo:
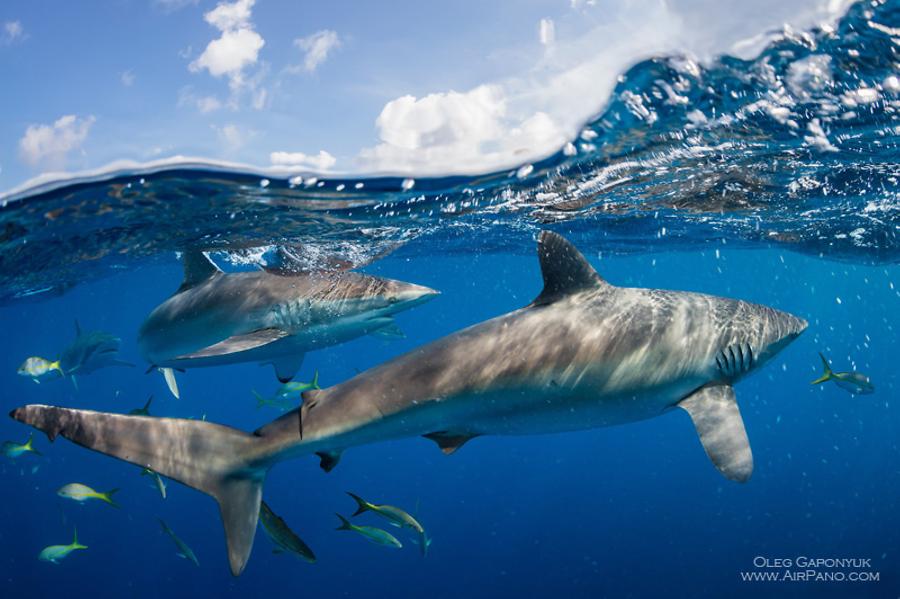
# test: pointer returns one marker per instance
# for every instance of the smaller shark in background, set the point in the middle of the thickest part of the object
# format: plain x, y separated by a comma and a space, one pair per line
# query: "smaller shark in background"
269, 316
90, 351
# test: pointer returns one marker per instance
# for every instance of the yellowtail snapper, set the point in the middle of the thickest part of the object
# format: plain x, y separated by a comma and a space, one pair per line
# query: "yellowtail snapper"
183, 550
854, 382
14, 450
371, 534
38, 368
158, 482
54, 553
145, 411
396, 516
286, 541
81, 493
288, 395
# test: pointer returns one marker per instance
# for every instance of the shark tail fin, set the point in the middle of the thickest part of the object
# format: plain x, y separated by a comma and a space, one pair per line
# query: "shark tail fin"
826, 376
361, 504
208, 457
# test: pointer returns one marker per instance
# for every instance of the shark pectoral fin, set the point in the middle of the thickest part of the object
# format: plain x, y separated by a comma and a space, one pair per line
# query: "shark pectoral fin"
328, 460
287, 366
171, 383
391, 331
238, 343
449, 442
718, 422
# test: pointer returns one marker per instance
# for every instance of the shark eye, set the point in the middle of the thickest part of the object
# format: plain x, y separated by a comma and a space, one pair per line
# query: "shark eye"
393, 299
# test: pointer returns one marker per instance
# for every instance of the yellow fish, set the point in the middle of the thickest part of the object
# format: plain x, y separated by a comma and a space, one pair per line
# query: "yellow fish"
81, 493
54, 553
37, 367
14, 450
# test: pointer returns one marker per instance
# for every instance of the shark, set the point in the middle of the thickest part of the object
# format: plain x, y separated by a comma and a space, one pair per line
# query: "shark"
271, 315
583, 354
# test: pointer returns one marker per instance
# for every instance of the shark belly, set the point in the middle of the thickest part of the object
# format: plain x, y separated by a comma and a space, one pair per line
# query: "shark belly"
509, 411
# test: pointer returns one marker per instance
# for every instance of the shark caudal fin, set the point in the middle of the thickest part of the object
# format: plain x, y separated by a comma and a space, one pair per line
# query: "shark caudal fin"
826, 376
208, 457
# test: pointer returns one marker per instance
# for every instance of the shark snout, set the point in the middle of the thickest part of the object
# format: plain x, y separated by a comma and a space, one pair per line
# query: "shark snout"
782, 328
795, 325
410, 294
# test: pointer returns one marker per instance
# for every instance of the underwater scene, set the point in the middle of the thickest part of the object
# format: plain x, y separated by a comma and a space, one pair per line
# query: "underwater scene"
658, 360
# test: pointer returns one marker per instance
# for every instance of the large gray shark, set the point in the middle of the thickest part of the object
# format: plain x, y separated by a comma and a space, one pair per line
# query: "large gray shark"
269, 316
583, 354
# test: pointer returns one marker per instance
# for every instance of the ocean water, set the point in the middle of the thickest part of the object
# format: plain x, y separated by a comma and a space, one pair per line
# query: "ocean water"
773, 180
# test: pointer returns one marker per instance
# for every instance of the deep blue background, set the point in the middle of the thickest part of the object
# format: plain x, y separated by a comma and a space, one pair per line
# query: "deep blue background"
636, 510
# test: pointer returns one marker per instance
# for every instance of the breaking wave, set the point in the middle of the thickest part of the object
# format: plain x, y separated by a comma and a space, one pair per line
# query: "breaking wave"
797, 148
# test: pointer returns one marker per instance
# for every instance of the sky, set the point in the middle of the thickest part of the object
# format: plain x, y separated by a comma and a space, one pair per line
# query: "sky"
400, 86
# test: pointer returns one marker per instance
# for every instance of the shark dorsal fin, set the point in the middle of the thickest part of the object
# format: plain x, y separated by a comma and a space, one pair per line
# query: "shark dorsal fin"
564, 268
197, 268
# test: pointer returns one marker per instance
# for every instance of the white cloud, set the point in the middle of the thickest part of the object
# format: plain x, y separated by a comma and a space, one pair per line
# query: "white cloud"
259, 98
230, 54
207, 104
546, 32
236, 49
227, 16
318, 162
316, 48
232, 136
461, 132
12, 32
50, 144
127, 78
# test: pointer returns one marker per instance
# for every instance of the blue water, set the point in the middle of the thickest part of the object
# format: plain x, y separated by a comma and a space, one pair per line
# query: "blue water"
631, 511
